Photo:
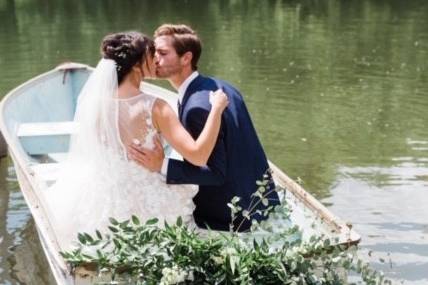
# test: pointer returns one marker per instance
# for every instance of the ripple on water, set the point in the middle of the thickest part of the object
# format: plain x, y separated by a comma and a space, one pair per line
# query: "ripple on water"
387, 206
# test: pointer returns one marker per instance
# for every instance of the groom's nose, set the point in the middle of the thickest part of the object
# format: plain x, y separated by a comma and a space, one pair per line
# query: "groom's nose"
156, 57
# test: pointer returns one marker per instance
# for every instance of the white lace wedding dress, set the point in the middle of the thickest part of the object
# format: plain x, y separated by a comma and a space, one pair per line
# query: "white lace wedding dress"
97, 181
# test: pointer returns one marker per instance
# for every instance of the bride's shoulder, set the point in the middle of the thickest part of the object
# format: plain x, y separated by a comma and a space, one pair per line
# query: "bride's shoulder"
162, 109
151, 98
148, 100
161, 105
162, 112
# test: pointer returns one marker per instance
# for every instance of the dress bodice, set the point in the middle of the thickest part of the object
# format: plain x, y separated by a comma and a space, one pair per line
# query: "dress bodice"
112, 186
135, 120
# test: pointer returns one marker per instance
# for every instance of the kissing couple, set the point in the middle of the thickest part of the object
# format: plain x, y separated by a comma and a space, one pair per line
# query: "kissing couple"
116, 166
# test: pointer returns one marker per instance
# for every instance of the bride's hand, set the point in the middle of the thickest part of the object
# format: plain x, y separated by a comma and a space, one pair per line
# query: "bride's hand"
218, 99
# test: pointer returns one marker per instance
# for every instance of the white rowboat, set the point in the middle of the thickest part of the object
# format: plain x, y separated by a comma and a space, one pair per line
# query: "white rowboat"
36, 120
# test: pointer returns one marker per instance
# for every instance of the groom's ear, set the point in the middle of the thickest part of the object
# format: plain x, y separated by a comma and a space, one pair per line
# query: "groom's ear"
186, 58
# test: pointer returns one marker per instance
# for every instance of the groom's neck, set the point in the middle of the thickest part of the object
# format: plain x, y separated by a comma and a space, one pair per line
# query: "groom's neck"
177, 79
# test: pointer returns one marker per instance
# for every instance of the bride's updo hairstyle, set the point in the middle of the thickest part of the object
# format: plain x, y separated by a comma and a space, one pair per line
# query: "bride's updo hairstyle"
127, 49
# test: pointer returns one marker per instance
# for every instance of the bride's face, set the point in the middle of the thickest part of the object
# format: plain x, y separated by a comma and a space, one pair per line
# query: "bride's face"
149, 67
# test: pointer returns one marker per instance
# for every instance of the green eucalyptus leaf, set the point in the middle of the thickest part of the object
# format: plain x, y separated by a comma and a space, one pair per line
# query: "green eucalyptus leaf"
135, 220
117, 243
81, 238
152, 221
124, 224
65, 255
179, 221
113, 229
113, 221
88, 238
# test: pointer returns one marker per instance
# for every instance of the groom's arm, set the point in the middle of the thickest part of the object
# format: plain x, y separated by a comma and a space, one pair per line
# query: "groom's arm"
214, 173
182, 172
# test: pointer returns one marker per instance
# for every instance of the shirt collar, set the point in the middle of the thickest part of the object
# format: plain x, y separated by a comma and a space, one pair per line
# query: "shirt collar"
183, 87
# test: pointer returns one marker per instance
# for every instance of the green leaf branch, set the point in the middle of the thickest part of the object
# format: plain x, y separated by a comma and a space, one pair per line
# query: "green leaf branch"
147, 253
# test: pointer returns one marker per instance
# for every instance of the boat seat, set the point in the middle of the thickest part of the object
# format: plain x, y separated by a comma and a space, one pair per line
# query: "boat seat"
46, 129
57, 156
46, 137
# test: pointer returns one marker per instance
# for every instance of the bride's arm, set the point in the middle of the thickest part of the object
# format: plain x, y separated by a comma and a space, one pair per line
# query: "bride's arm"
196, 151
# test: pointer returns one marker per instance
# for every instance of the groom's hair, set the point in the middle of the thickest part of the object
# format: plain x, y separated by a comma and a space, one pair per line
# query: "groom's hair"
184, 39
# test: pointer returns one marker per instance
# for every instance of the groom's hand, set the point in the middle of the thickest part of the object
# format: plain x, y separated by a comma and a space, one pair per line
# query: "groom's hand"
151, 159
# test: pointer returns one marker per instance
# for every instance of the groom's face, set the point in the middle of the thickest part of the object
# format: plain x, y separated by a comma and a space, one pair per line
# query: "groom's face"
167, 61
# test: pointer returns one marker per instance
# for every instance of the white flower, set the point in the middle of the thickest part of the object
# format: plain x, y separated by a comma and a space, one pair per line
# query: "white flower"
190, 276
175, 275
225, 252
218, 259
228, 251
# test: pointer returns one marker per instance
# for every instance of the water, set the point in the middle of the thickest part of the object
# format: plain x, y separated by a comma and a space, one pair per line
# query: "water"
337, 90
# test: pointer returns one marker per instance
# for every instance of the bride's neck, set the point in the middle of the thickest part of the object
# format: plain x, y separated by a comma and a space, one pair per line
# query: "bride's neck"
129, 88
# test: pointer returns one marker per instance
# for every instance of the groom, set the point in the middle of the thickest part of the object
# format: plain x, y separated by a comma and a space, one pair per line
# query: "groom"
238, 159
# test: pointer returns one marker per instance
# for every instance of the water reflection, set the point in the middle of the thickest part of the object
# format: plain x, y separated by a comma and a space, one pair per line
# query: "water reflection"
5, 237
385, 204
28, 263
21, 256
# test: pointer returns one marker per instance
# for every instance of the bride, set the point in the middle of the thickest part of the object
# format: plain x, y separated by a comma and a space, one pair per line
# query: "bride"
97, 180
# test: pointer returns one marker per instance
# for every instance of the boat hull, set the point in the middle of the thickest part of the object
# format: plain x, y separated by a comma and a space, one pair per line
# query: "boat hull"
51, 97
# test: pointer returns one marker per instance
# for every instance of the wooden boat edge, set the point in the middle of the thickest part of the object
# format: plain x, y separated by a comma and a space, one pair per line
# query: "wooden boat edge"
347, 236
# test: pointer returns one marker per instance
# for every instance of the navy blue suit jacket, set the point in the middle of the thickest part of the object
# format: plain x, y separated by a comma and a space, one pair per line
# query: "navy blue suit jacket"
236, 163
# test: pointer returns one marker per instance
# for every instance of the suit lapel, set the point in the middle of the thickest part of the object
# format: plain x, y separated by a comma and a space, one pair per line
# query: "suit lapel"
192, 88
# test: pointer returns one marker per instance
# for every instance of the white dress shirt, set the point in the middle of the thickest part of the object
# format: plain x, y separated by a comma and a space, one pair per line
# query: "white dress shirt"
181, 91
